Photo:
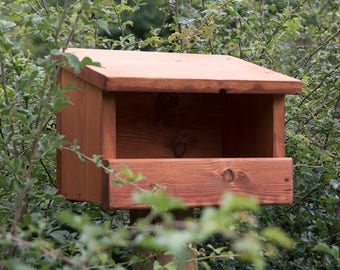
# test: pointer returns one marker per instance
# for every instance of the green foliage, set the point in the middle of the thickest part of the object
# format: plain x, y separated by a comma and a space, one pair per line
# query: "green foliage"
39, 229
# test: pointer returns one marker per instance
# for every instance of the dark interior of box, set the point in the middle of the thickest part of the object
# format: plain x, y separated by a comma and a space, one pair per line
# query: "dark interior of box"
193, 125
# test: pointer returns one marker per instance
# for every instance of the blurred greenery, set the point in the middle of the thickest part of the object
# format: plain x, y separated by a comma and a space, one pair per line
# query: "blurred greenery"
39, 229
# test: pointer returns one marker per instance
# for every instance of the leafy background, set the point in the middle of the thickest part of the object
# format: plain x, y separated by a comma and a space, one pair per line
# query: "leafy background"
39, 229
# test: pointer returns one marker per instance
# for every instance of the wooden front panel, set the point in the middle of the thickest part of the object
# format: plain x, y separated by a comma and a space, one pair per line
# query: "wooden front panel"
80, 121
202, 182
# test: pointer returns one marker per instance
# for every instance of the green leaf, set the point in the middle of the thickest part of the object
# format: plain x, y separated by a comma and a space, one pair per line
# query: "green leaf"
60, 236
127, 173
118, 182
17, 264
6, 25
249, 248
231, 202
331, 250
97, 159
139, 177
88, 61
159, 201
103, 25
73, 220
74, 62
276, 235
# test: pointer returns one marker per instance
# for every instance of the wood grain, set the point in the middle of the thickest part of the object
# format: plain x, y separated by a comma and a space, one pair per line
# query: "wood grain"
200, 182
178, 72
278, 126
247, 125
108, 126
80, 121
147, 129
182, 120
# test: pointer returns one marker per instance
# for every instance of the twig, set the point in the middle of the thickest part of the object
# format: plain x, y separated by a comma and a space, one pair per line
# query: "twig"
22, 244
106, 169
319, 84
205, 20
179, 25
45, 7
63, 16
333, 117
334, 231
284, 20
303, 198
4, 87
21, 202
319, 48
164, 22
313, 91
48, 173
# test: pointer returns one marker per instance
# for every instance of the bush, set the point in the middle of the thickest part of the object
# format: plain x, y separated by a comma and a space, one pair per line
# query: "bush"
40, 229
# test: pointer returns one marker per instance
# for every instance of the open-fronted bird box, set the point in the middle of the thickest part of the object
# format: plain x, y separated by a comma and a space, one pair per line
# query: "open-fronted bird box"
195, 125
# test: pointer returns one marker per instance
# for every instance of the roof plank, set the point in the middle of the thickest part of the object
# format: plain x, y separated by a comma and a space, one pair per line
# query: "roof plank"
138, 71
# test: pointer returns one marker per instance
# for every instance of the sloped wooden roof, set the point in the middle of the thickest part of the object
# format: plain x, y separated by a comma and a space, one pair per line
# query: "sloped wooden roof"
181, 72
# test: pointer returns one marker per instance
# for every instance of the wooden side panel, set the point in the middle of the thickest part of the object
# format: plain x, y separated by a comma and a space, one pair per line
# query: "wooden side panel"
80, 121
201, 182
278, 126
109, 125
248, 126
168, 125
108, 140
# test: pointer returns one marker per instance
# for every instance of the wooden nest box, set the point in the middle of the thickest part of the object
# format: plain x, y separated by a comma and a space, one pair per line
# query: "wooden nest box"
196, 125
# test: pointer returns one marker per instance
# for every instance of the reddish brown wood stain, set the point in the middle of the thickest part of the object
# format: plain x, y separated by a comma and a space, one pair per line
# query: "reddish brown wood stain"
202, 181
183, 120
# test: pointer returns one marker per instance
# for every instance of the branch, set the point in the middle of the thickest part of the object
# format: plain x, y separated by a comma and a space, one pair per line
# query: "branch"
205, 20
319, 84
284, 20
319, 48
302, 199
39, 126
7, 102
22, 244
179, 25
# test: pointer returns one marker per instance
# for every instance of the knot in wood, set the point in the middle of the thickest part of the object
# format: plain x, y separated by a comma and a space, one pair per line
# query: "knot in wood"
179, 149
228, 175
168, 100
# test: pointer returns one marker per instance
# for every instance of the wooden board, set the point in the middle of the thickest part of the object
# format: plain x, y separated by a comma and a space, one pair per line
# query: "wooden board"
247, 125
278, 126
202, 182
80, 121
179, 72
203, 125
151, 125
